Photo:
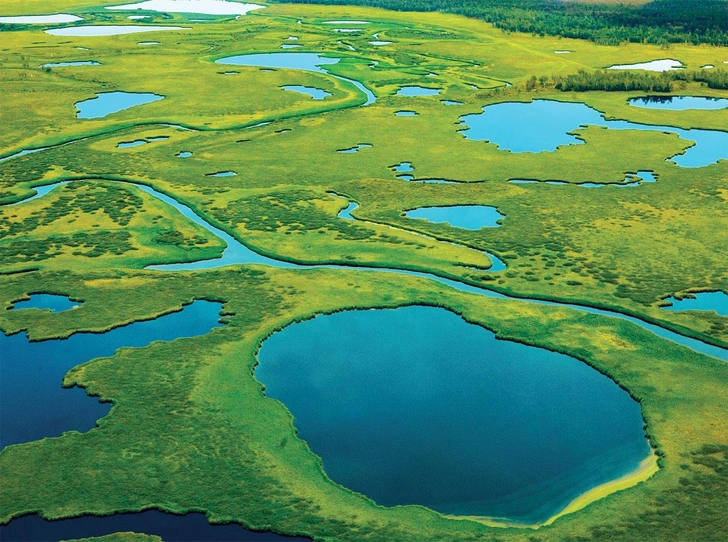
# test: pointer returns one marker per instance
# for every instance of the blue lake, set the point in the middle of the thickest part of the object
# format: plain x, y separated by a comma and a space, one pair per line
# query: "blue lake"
187, 528
704, 301
451, 102
106, 103
416, 406
183, 154
51, 302
413, 91
402, 167
71, 64
312, 62
315, 93
544, 125
468, 217
222, 174
405, 113
32, 401
679, 103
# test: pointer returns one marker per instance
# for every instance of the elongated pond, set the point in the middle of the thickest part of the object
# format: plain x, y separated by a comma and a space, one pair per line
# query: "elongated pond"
106, 103
187, 528
416, 406
51, 302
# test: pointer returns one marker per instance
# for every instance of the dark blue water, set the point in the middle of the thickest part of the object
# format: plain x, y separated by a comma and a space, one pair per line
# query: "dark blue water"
544, 125
315, 93
51, 302
171, 528
679, 103
33, 404
416, 406
704, 301
418, 91
468, 217
106, 103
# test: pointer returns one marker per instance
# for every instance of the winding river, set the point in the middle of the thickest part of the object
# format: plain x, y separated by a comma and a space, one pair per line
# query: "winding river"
237, 253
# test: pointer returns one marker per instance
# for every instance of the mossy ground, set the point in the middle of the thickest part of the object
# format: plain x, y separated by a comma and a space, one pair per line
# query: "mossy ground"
168, 438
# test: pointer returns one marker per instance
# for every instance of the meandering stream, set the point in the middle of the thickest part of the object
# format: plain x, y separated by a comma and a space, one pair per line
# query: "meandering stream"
237, 253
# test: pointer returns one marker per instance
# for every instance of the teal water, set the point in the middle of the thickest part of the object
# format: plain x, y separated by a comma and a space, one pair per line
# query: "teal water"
703, 301
545, 125
679, 103
355, 148
51, 302
405, 113
315, 93
413, 91
108, 30
416, 406
106, 103
222, 174
140, 142
630, 180
71, 64
469, 217
313, 62
402, 167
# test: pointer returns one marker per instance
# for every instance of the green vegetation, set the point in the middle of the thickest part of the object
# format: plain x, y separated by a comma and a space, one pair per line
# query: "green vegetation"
188, 410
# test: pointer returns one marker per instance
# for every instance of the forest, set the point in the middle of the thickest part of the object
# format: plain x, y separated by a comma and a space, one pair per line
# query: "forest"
626, 80
659, 22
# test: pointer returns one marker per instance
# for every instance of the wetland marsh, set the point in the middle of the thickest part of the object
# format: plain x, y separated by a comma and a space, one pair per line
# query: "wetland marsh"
413, 314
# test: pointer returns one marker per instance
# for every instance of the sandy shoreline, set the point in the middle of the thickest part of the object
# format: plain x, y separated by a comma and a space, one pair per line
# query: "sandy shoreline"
646, 469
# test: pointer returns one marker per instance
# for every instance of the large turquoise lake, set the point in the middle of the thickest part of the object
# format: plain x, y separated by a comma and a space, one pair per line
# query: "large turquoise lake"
416, 406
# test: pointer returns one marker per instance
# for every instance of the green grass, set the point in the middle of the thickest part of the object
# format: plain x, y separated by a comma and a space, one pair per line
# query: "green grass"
167, 439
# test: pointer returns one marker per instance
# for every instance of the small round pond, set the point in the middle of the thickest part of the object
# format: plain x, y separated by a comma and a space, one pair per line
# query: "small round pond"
468, 217
416, 406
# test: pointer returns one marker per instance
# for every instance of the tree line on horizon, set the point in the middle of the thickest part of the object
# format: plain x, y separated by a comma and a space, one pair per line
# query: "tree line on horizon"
658, 22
